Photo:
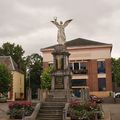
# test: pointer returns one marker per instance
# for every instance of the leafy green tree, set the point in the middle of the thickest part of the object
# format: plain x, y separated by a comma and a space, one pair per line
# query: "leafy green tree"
46, 78
5, 79
116, 70
34, 66
34, 70
15, 51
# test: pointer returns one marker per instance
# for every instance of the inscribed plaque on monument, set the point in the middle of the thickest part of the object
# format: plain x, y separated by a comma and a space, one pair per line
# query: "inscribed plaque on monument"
59, 83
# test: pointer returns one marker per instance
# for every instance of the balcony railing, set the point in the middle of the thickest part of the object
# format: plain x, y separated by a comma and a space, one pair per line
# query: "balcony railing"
81, 71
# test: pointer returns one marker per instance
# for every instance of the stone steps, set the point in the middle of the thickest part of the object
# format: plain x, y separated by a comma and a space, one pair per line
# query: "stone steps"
53, 103
50, 119
56, 100
50, 116
51, 109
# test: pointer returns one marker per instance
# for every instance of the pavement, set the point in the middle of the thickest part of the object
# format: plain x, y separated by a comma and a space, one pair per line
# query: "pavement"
113, 109
107, 116
3, 111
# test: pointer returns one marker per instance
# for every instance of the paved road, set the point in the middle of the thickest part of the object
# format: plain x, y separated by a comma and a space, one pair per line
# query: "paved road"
3, 111
114, 109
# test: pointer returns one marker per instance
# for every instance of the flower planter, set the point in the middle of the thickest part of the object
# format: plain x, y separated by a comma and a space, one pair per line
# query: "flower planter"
84, 111
19, 109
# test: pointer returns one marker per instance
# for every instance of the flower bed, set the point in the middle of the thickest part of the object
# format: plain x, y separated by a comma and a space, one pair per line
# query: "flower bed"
84, 110
20, 109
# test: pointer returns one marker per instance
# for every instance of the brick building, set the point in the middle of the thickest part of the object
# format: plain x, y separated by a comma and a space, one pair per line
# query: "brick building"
90, 63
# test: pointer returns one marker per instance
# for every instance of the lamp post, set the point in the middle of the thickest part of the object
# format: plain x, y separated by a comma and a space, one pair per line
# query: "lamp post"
29, 88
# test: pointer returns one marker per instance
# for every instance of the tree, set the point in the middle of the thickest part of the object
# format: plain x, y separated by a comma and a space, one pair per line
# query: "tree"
34, 63
5, 79
34, 67
116, 70
15, 51
46, 78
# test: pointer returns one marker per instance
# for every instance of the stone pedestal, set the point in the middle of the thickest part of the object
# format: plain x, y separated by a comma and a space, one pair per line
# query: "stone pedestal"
61, 75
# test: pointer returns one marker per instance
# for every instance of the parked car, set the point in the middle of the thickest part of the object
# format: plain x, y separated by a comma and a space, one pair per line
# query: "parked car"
96, 99
3, 99
117, 95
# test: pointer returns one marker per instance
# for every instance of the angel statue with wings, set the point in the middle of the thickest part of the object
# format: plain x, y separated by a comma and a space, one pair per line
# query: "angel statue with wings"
61, 38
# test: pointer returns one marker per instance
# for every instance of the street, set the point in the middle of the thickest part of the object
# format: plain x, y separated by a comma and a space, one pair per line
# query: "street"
114, 110
3, 111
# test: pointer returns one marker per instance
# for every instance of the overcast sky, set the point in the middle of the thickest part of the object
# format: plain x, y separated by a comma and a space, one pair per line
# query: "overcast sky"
27, 22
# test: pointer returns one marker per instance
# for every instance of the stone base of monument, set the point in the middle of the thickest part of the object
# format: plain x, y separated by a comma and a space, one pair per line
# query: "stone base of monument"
61, 75
66, 94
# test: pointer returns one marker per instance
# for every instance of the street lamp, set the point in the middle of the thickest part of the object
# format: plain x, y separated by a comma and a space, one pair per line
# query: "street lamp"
29, 88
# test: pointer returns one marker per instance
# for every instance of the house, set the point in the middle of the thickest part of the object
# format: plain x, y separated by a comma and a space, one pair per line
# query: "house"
17, 90
90, 63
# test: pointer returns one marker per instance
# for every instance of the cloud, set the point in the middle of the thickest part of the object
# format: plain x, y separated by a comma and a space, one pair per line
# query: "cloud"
27, 22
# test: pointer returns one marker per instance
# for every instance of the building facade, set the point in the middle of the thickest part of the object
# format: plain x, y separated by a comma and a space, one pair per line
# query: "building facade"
90, 63
17, 89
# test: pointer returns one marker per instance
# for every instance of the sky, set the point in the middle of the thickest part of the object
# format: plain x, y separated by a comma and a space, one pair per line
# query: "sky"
27, 22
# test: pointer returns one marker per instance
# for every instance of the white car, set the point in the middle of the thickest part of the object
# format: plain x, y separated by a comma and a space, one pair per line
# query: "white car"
117, 95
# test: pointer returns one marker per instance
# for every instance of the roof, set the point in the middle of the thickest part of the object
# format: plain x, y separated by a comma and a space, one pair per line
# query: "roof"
9, 62
80, 42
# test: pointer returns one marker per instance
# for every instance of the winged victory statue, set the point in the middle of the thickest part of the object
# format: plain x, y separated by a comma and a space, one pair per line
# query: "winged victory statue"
61, 38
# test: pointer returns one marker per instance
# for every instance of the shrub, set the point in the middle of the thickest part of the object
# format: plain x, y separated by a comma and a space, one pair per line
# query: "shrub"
83, 110
20, 109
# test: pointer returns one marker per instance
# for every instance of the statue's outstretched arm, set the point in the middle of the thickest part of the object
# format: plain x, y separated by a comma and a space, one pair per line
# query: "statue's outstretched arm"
55, 23
67, 22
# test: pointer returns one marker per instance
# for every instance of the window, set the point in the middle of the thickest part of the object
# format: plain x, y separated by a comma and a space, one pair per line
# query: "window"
101, 84
82, 66
101, 66
79, 82
76, 66
83, 69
